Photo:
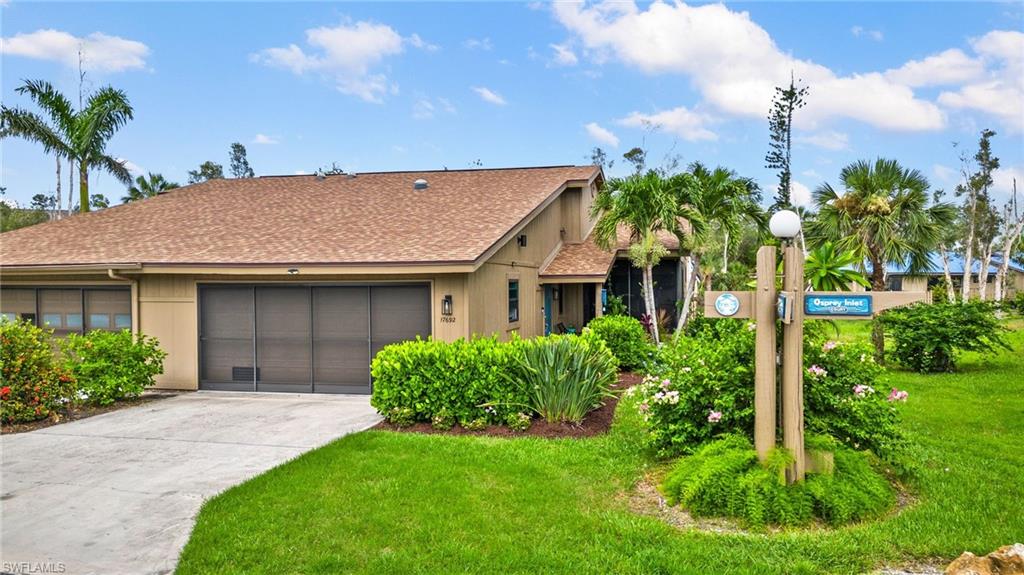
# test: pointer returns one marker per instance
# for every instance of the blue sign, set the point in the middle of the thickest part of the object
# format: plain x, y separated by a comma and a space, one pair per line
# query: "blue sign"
859, 305
727, 304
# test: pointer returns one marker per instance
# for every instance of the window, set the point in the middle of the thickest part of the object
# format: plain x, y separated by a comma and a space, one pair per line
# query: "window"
69, 310
513, 301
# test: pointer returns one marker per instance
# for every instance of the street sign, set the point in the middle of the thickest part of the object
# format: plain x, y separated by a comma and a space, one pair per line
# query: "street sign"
837, 305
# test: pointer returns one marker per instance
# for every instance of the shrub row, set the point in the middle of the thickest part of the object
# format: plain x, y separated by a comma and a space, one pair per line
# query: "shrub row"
480, 381
626, 338
42, 376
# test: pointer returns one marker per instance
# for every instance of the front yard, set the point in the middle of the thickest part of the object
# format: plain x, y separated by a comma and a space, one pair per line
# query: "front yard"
384, 502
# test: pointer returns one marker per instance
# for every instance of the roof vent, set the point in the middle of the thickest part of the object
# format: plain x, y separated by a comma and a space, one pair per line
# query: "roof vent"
419, 184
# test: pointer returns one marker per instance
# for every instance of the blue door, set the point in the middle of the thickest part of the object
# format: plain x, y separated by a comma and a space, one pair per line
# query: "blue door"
548, 289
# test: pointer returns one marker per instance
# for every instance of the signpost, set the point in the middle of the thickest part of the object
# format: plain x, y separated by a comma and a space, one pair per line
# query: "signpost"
790, 306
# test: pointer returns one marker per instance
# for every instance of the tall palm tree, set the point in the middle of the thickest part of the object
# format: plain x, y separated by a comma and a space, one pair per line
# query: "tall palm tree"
644, 204
147, 186
80, 136
884, 216
715, 198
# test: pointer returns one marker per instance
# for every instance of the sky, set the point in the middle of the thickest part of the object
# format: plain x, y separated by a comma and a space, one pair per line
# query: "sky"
410, 86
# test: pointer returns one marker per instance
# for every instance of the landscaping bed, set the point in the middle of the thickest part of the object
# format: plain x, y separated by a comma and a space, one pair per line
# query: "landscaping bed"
83, 411
597, 422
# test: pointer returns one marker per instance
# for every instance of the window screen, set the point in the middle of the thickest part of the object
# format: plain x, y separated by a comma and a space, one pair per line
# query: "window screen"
61, 310
226, 337
513, 301
341, 339
283, 351
398, 313
102, 307
18, 303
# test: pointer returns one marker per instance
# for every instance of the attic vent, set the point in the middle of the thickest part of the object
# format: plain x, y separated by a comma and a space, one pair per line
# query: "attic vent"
419, 184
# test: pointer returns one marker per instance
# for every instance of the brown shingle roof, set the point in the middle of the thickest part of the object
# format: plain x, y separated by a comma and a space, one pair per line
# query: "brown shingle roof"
588, 260
371, 218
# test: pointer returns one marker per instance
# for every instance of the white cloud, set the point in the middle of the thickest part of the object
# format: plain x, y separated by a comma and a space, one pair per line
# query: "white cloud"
686, 124
1002, 182
348, 54
945, 175
477, 44
736, 65
132, 167
1001, 92
423, 109
447, 106
100, 52
416, 42
862, 32
828, 139
602, 135
814, 175
488, 95
564, 56
264, 139
799, 194
945, 68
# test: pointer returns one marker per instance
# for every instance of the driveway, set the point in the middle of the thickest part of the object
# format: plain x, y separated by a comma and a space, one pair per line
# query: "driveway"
119, 492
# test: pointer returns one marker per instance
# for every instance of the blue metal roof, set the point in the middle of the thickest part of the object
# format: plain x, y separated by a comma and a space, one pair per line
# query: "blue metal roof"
956, 265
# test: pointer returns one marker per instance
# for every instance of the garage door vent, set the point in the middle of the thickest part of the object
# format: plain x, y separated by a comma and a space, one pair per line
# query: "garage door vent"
243, 373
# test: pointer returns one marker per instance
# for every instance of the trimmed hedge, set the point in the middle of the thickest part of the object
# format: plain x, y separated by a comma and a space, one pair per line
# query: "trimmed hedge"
626, 338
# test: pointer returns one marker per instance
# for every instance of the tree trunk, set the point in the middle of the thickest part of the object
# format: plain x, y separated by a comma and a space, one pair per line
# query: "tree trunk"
877, 332
1004, 265
56, 214
83, 186
986, 261
692, 262
965, 289
71, 187
725, 254
652, 312
950, 292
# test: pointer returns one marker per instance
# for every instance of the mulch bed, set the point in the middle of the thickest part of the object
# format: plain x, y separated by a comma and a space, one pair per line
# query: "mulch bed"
596, 422
82, 412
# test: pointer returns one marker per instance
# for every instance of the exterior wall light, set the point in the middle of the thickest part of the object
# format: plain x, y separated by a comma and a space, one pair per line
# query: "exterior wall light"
785, 224
293, 271
447, 307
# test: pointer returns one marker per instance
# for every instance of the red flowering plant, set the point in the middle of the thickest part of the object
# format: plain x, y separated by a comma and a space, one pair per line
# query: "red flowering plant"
35, 386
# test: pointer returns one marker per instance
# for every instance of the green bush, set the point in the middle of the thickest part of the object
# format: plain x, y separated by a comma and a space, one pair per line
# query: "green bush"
478, 424
725, 478
929, 337
518, 422
401, 416
112, 365
564, 377
626, 338
702, 387
466, 378
34, 386
443, 420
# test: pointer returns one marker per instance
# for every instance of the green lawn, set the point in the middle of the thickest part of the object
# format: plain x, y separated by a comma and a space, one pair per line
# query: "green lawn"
381, 502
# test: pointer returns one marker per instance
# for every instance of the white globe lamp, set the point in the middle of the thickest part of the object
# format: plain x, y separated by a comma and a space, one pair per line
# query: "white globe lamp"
785, 224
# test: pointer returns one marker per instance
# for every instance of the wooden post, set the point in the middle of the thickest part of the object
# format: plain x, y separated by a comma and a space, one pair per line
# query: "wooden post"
792, 365
764, 366
598, 307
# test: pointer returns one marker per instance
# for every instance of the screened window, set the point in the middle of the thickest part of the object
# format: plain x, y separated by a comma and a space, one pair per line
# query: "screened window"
513, 301
16, 303
69, 310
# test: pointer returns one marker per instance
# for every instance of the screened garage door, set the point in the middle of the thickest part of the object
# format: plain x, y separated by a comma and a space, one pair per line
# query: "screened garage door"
303, 339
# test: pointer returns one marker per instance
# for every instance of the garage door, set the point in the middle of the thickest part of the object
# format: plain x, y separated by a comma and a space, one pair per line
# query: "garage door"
303, 339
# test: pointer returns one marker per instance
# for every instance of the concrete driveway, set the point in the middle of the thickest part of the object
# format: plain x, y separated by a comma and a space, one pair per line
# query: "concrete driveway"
119, 492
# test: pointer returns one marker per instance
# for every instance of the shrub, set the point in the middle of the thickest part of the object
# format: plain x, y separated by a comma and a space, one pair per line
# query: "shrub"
443, 419
518, 422
565, 377
478, 424
702, 387
929, 337
725, 478
615, 306
401, 416
625, 337
34, 386
467, 378
112, 365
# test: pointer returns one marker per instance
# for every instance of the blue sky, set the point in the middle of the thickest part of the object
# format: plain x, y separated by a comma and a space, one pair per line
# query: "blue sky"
396, 86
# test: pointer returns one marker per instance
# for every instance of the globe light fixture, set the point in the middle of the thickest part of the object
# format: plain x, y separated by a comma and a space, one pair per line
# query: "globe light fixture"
785, 224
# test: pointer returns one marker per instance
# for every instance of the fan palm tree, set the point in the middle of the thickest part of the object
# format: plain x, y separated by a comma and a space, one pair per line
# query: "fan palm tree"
884, 216
147, 186
715, 198
80, 136
644, 204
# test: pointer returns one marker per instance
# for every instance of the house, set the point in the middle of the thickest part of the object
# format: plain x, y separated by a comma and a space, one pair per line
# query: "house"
898, 277
293, 283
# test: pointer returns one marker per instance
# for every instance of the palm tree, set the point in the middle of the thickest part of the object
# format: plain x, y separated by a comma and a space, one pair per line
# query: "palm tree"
829, 269
78, 135
713, 198
644, 204
147, 186
883, 217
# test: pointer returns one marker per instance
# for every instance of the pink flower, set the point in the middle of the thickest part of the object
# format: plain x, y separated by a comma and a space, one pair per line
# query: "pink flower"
897, 395
714, 416
643, 407
830, 345
817, 371
862, 390
665, 383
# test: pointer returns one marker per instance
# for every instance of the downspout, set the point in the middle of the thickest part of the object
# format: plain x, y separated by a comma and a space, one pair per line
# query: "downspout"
134, 283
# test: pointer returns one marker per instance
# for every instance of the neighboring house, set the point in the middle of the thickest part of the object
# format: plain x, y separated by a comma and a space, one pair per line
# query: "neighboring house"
897, 277
293, 283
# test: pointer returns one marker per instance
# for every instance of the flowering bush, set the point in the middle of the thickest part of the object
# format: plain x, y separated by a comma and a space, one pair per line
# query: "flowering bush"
928, 337
34, 386
702, 387
626, 338
112, 365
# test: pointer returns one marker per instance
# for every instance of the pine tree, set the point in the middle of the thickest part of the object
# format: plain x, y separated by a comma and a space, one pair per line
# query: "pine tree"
780, 126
